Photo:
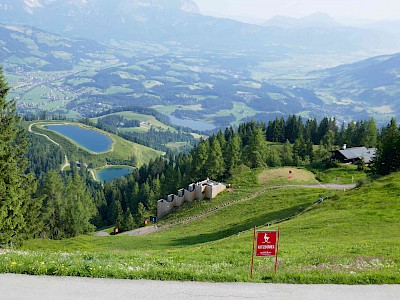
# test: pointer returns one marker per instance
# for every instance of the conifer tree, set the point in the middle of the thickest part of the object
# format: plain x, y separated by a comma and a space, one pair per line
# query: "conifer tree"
133, 199
273, 158
297, 152
323, 129
255, 150
215, 164
287, 154
229, 133
156, 188
350, 133
200, 158
388, 155
144, 194
310, 130
119, 221
79, 208
16, 187
232, 157
221, 140
140, 215
53, 209
326, 146
101, 205
129, 221
341, 138
372, 134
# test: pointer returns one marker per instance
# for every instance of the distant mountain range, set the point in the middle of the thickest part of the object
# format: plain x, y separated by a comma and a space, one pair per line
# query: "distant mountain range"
178, 21
374, 82
163, 52
35, 49
316, 20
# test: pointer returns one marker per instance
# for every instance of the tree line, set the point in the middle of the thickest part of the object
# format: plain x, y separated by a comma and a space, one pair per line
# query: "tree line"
354, 134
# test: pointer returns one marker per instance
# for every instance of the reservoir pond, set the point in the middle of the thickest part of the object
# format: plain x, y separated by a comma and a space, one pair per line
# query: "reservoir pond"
90, 139
195, 125
109, 174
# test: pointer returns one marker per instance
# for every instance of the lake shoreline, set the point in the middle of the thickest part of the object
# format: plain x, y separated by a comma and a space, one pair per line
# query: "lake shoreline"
76, 138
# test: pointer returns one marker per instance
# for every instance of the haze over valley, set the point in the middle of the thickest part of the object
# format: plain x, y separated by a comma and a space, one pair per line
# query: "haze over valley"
79, 58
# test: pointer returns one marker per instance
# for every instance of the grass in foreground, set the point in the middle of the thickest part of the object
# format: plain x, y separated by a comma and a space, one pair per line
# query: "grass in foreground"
350, 238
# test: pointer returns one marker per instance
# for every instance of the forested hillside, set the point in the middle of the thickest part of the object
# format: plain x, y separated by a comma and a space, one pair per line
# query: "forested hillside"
66, 204
128, 201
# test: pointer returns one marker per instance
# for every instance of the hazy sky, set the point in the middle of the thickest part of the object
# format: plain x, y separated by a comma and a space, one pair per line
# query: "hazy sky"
265, 9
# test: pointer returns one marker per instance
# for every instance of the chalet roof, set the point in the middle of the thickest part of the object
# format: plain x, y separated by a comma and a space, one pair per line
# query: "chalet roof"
359, 152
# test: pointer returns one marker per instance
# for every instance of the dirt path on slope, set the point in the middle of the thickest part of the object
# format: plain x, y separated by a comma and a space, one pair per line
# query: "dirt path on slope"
156, 228
66, 164
41, 134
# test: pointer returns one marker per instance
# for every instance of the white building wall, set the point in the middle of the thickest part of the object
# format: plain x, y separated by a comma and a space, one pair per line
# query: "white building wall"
163, 208
200, 190
190, 196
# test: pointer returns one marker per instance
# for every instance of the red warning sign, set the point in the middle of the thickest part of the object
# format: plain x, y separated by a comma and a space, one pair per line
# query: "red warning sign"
267, 243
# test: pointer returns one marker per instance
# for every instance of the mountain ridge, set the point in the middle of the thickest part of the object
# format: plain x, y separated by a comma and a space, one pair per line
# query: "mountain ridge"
51, 51
178, 21
374, 81
318, 19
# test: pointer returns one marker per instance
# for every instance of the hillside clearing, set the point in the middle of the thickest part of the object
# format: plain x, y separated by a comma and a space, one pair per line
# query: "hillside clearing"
147, 121
287, 176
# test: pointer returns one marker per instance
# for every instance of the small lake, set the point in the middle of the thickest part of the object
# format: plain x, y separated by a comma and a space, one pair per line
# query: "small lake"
90, 139
195, 125
109, 174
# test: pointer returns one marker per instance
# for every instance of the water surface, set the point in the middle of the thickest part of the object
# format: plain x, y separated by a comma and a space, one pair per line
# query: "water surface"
109, 174
90, 139
195, 125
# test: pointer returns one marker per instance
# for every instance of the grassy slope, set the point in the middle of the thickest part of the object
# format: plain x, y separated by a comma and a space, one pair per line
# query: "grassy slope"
128, 115
122, 149
352, 237
344, 174
287, 175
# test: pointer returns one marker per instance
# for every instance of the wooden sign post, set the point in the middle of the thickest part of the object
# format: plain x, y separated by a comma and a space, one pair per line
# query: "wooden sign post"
265, 243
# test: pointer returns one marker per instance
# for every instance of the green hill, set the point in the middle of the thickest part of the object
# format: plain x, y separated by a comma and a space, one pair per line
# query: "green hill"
146, 122
351, 237
371, 83
122, 152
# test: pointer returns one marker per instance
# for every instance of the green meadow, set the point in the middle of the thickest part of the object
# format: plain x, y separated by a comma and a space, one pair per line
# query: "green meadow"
352, 237
147, 122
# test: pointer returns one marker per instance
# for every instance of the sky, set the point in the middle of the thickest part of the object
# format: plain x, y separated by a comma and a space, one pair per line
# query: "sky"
266, 9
